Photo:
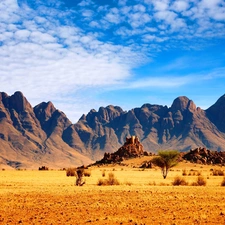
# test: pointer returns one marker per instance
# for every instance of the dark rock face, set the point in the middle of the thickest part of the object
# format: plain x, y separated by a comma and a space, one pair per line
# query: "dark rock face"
216, 113
132, 148
205, 156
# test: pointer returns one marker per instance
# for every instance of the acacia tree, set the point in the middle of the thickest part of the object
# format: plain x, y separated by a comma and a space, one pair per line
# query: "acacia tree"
166, 159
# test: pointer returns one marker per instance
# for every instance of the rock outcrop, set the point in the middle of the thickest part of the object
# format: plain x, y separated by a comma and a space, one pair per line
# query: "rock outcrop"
132, 148
205, 156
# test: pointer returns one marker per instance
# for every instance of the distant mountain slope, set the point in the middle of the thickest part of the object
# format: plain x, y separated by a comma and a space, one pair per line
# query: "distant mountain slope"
181, 126
31, 137
43, 135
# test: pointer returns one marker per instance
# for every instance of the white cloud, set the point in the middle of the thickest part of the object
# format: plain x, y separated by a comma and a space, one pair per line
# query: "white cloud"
160, 5
161, 82
57, 53
180, 6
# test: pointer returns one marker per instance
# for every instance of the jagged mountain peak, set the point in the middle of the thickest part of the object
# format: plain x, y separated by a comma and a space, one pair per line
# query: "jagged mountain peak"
219, 104
17, 102
44, 110
183, 103
103, 115
216, 113
3, 95
45, 134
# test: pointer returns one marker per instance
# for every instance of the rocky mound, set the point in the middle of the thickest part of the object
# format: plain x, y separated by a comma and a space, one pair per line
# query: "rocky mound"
205, 156
132, 148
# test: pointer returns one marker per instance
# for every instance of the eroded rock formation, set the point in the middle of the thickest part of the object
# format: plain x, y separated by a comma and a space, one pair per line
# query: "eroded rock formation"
204, 156
132, 148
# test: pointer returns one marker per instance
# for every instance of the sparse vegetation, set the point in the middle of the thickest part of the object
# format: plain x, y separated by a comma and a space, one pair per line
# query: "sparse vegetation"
43, 168
217, 172
70, 172
201, 181
179, 181
223, 182
184, 172
128, 183
141, 195
165, 160
110, 181
152, 183
87, 173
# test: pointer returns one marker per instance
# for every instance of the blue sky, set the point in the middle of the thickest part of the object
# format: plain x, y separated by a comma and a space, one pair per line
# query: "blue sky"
86, 54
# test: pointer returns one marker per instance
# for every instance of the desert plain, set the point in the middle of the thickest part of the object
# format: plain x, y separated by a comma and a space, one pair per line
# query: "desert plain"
142, 197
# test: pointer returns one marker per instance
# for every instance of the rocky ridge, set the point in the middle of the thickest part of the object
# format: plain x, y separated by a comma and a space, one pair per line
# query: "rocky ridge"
42, 135
204, 156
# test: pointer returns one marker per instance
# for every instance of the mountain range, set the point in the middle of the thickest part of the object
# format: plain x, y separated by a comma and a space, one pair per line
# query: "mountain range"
43, 135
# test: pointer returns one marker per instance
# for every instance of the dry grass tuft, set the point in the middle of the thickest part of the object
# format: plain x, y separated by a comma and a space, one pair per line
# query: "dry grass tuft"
201, 181
184, 172
71, 172
103, 173
218, 172
179, 181
223, 182
110, 181
87, 173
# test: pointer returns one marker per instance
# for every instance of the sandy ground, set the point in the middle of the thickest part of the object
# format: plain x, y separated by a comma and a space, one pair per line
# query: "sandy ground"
143, 197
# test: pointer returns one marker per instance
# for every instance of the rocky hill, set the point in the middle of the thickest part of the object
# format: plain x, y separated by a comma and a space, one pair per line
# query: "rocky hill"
43, 135
205, 156
132, 148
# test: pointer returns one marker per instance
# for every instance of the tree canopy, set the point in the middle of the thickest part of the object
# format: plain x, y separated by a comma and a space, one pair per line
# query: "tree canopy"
166, 159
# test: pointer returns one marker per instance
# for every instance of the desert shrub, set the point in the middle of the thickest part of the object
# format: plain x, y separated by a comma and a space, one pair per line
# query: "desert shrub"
179, 181
201, 181
103, 173
128, 183
218, 173
87, 173
152, 183
110, 181
199, 173
71, 172
101, 182
223, 182
163, 184
43, 168
184, 172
